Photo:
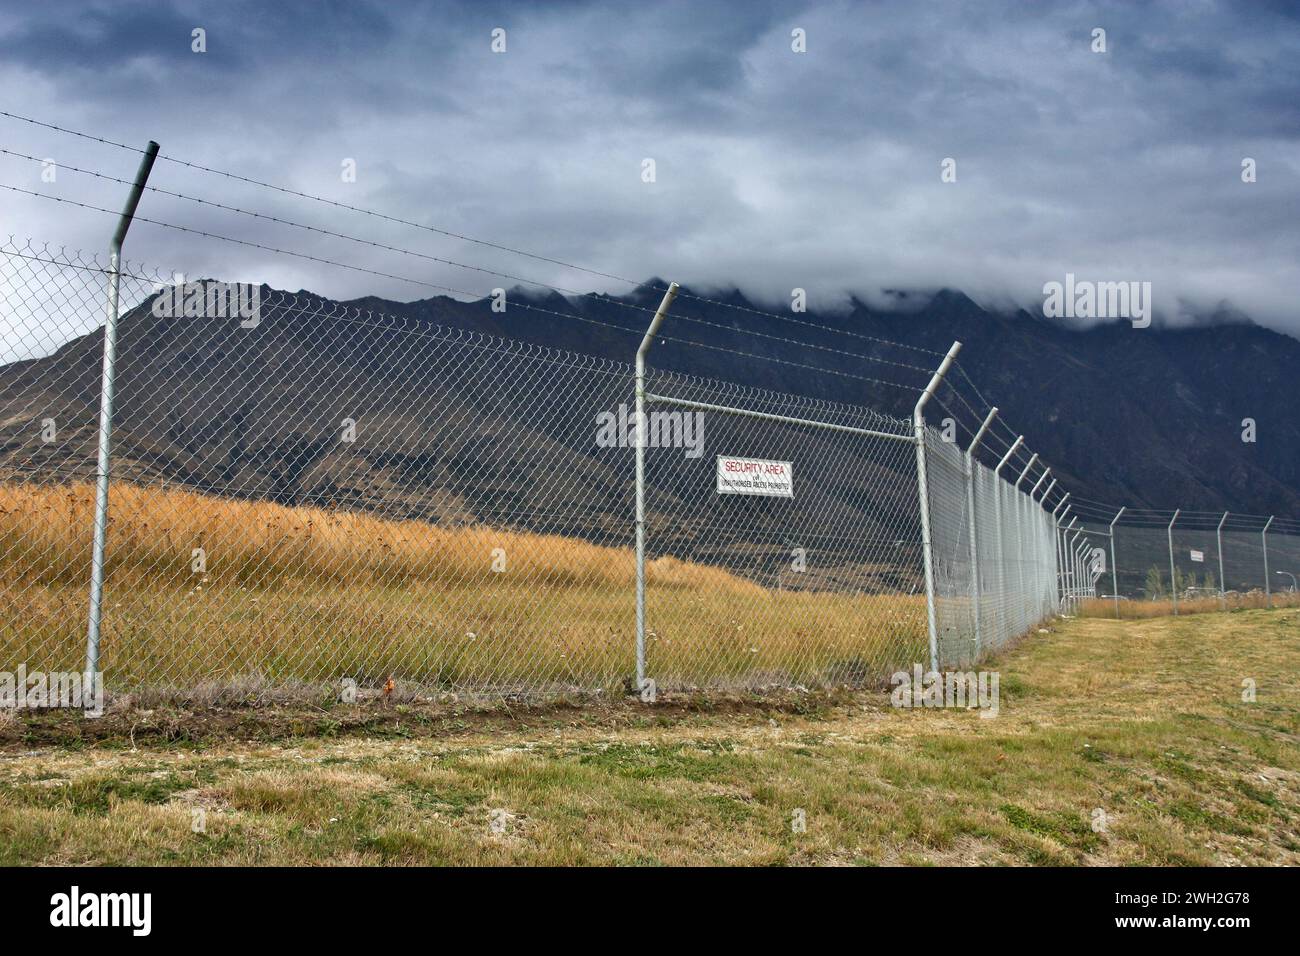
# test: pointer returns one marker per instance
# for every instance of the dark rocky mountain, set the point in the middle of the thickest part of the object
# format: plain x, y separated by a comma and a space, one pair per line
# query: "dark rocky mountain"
1147, 417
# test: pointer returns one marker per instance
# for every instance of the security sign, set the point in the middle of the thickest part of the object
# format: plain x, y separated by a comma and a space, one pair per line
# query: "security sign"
755, 476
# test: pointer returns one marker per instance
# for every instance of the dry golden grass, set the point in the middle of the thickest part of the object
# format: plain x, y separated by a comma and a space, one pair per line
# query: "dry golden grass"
1141, 610
152, 530
305, 595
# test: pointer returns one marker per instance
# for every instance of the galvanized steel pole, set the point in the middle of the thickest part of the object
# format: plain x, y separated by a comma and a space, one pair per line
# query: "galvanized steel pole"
641, 353
1173, 571
1075, 544
1263, 537
1114, 568
1019, 503
970, 510
1218, 537
1002, 551
1060, 554
923, 494
1040, 552
105, 439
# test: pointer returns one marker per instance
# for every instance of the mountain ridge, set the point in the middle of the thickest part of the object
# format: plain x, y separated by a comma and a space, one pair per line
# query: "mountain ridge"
1148, 418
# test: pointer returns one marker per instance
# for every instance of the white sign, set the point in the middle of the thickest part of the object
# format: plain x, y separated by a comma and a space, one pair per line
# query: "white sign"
1198, 555
754, 476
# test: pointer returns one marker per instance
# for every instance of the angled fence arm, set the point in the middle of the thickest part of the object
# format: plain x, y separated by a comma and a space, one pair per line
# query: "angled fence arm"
1033, 458
1015, 446
1039, 483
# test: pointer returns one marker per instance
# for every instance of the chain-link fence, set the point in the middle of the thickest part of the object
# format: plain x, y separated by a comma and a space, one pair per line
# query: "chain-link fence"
809, 512
309, 495
1188, 561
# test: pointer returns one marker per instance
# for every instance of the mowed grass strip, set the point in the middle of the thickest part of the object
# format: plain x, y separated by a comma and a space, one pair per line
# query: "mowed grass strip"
1117, 743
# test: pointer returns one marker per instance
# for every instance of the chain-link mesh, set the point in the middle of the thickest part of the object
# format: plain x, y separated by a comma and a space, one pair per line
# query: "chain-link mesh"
306, 493
50, 366
950, 544
1203, 558
821, 587
1014, 550
319, 494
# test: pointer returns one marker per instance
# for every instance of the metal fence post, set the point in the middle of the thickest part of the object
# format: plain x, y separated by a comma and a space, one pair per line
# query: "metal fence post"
923, 493
1173, 571
1085, 567
1020, 540
1081, 562
1049, 552
1218, 536
1074, 572
970, 510
1067, 555
1035, 526
1002, 551
1060, 553
1065, 569
640, 478
1263, 537
1074, 566
105, 438
1114, 568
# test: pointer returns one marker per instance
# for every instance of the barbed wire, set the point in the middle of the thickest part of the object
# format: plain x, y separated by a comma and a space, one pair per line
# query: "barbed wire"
474, 296
607, 300
992, 436
463, 237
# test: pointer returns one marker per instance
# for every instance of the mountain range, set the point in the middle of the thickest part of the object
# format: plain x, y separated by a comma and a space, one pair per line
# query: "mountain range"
1146, 417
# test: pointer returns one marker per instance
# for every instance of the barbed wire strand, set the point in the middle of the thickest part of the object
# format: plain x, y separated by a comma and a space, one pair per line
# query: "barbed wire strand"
456, 235
607, 300
451, 289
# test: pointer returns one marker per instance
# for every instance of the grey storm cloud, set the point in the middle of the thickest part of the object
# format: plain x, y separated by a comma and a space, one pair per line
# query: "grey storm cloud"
774, 169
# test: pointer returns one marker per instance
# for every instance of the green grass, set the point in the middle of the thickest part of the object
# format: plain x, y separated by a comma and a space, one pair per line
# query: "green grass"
1140, 724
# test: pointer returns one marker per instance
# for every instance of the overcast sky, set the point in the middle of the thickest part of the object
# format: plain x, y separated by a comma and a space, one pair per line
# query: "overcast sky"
773, 169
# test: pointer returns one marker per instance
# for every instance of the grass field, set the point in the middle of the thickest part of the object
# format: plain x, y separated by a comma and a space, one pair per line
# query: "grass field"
1139, 727
294, 595
1138, 610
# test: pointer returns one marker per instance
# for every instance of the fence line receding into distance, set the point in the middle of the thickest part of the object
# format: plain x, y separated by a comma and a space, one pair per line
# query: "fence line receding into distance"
320, 496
